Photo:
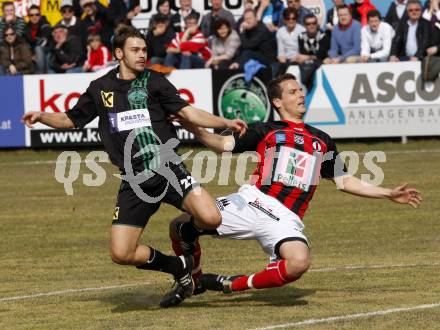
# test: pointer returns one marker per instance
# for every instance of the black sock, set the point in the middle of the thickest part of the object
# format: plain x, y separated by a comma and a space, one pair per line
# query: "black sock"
163, 263
188, 231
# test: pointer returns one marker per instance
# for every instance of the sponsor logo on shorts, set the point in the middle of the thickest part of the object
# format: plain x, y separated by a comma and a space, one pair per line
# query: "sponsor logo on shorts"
222, 203
258, 206
116, 213
107, 99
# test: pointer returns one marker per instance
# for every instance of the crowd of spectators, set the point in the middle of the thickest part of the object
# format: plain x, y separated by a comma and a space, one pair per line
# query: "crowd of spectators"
274, 33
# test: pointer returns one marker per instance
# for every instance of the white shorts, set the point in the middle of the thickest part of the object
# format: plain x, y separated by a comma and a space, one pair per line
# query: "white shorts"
251, 214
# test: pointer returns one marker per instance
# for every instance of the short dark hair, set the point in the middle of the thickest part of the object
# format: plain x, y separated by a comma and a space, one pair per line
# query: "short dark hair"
123, 21
219, 22
374, 13
308, 16
121, 37
34, 7
161, 2
160, 18
274, 89
7, 3
344, 6
289, 11
7, 27
193, 16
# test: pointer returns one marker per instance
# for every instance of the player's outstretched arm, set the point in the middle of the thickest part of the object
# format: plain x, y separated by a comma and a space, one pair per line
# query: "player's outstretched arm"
401, 194
215, 142
204, 119
54, 120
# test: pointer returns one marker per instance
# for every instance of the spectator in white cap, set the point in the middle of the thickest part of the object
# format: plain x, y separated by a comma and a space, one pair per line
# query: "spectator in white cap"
75, 26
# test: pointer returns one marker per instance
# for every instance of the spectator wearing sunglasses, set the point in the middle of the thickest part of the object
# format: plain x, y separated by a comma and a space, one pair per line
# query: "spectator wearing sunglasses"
9, 18
313, 47
15, 54
287, 38
38, 34
413, 37
75, 26
300, 9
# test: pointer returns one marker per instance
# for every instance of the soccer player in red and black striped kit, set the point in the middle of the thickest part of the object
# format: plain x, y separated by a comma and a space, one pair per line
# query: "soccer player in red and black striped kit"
293, 157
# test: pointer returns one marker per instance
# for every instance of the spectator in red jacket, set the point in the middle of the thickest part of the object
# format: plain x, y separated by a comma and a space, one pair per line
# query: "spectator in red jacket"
98, 56
189, 49
360, 9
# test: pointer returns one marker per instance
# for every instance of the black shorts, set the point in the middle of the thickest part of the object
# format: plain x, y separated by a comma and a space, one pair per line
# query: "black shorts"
134, 209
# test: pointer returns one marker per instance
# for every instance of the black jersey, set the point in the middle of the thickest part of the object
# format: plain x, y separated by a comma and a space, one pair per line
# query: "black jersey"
122, 106
292, 158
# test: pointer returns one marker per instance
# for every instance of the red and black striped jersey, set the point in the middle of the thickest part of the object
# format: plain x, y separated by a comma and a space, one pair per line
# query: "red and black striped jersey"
292, 159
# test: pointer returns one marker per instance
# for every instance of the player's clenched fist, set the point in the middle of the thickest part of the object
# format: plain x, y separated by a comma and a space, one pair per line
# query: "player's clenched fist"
237, 125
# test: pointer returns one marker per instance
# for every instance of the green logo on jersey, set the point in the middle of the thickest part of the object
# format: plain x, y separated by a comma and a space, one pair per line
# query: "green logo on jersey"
138, 96
246, 101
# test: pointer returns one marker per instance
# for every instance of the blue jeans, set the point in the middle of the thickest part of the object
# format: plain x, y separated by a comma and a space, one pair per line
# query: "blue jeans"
42, 61
76, 69
184, 61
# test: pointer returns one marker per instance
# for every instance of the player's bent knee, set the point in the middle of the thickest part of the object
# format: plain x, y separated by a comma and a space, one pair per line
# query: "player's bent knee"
297, 265
212, 219
121, 257
209, 218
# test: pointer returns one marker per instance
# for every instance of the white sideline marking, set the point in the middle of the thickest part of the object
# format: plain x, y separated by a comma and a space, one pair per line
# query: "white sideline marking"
234, 156
63, 292
350, 316
102, 288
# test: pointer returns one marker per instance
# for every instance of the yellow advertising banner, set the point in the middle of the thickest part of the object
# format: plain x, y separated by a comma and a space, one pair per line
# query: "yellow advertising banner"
49, 8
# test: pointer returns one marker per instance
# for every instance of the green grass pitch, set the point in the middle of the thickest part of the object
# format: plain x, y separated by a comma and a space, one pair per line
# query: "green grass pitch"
367, 256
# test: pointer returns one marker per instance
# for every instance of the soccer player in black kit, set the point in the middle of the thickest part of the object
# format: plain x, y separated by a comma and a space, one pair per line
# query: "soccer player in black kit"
133, 105
293, 156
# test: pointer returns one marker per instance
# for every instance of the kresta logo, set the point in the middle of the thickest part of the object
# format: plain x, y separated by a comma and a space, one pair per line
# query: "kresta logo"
137, 96
246, 101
